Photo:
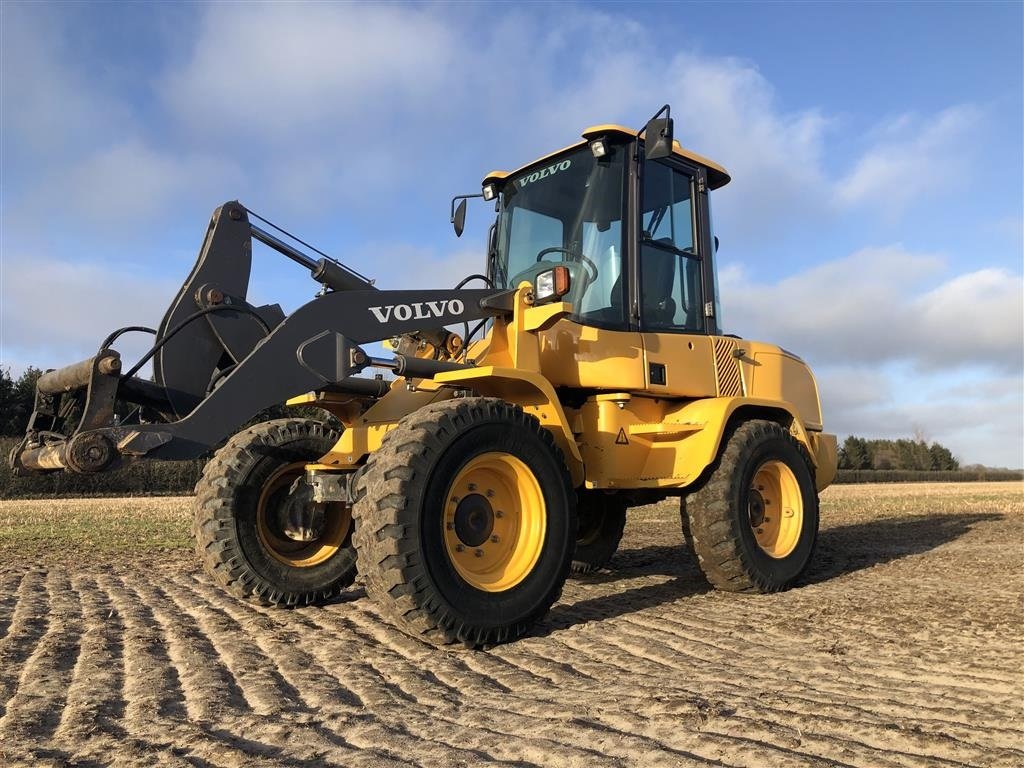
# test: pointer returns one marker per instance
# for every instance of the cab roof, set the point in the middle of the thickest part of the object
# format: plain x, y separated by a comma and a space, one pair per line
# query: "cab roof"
717, 175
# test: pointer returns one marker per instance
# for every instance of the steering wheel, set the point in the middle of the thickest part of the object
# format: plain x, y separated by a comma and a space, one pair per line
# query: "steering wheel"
591, 266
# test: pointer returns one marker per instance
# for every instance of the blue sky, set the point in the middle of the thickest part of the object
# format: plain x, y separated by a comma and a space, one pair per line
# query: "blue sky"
873, 225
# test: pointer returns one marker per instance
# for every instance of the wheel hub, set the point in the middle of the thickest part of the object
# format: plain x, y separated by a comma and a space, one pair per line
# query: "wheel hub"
775, 506
755, 508
474, 520
293, 528
299, 517
494, 521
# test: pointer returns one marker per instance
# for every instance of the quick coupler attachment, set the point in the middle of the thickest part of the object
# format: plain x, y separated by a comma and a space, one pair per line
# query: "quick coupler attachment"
74, 407
87, 453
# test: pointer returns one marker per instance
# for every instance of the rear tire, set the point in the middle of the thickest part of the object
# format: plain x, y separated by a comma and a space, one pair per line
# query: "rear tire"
602, 519
753, 525
238, 526
465, 522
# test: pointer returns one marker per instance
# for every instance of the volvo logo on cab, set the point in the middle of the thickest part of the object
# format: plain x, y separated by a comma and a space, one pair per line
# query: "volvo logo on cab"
543, 173
421, 310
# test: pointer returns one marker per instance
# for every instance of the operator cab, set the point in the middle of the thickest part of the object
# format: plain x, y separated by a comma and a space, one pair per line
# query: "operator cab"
634, 232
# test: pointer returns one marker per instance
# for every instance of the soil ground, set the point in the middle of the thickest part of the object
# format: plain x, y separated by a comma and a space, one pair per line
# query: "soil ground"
902, 648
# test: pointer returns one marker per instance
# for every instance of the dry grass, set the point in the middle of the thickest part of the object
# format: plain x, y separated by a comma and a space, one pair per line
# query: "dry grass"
49, 530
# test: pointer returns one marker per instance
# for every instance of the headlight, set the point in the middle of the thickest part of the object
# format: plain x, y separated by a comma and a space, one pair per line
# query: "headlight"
551, 285
490, 192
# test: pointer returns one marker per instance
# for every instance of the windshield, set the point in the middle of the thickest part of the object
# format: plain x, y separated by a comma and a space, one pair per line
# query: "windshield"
567, 211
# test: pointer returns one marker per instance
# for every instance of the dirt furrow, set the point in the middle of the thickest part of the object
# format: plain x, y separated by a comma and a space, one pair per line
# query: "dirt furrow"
282, 644
835, 718
29, 622
9, 583
253, 672
712, 648
33, 712
493, 714
94, 700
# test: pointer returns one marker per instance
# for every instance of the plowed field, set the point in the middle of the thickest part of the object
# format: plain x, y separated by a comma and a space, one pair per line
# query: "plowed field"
903, 648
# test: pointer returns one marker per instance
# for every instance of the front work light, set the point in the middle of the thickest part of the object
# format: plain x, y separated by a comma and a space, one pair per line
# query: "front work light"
490, 192
599, 147
551, 285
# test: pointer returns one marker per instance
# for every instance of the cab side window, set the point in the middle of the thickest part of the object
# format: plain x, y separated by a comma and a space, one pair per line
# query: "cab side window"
670, 269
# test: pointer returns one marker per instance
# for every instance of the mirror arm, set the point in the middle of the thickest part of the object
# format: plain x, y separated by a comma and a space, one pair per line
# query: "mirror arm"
667, 109
455, 200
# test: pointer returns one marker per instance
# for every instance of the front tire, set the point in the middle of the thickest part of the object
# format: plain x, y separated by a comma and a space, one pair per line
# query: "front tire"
753, 524
256, 530
466, 522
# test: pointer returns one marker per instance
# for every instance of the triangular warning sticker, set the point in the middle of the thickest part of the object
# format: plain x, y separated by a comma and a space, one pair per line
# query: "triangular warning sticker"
621, 439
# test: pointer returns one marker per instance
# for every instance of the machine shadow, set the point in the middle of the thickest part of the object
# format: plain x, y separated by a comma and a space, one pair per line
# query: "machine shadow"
841, 550
673, 561
849, 548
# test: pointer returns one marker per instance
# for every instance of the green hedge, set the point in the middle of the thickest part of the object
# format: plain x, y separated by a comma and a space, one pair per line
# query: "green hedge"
917, 476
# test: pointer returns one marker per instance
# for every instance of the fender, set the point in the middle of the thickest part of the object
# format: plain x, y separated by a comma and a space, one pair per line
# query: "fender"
529, 390
643, 442
534, 394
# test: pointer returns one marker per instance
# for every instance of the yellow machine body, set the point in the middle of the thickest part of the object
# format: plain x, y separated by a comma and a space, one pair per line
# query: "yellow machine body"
632, 434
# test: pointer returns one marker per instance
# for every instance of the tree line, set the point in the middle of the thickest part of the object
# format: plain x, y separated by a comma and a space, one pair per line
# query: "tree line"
17, 399
906, 454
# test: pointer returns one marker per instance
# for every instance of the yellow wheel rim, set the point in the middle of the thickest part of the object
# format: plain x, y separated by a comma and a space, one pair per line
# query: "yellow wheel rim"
494, 522
776, 509
271, 523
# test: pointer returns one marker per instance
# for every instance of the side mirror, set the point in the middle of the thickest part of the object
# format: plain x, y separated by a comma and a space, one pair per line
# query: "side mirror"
459, 218
658, 138
716, 243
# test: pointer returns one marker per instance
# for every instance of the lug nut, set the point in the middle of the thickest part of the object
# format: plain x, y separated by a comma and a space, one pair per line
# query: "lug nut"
459, 548
472, 486
455, 500
495, 539
490, 493
499, 513
449, 526
479, 553
760, 531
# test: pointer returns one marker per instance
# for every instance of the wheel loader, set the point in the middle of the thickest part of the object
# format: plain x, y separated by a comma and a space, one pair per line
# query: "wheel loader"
492, 438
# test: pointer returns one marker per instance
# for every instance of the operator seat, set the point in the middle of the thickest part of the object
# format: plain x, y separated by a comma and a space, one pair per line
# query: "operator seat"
657, 279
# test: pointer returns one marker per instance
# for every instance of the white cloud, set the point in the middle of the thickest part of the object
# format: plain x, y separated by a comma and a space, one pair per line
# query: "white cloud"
57, 312
51, 107
132, 180
283, 71
877, 305
330, 107
913, 157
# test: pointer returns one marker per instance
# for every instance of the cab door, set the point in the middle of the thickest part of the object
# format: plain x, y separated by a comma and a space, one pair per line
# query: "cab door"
669, 297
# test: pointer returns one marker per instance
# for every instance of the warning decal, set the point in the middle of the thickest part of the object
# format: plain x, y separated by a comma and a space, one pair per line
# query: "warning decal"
620, 439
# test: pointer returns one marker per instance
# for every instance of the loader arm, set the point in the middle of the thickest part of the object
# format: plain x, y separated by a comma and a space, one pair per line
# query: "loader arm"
219, 360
